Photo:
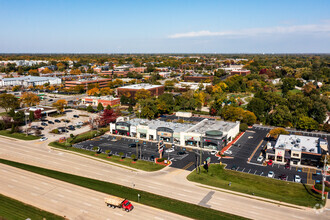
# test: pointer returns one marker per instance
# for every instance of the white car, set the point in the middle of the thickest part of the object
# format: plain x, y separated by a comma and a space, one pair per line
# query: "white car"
79, 123
228, 152
297, 179
43, 139
260, 159
271, 174
170, 150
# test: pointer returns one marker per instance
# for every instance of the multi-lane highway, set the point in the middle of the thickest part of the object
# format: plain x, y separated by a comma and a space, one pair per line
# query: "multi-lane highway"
68, 200
169, 182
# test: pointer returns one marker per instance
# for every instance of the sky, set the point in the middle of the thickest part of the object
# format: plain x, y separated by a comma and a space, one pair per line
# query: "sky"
171, 26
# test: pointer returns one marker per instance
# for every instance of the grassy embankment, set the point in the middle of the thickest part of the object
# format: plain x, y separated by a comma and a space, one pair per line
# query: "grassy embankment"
20, 136
14, 209
150, 199
289, 192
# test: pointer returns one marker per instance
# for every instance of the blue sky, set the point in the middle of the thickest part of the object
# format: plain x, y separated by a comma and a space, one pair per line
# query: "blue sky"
171, 26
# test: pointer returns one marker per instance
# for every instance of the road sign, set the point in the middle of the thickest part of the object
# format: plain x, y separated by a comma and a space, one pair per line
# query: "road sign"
161, 149
208, 160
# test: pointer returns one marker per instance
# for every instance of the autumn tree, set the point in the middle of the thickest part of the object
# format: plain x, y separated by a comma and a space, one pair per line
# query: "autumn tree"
93, 92
8, 101
106, 91
107, 117
30, 99
37, 114
60, 104
142, 94
275, 132
46, 70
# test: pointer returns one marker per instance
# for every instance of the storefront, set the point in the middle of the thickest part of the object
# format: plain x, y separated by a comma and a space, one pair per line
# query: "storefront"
192, 141
164, 134
214, 140
122, 128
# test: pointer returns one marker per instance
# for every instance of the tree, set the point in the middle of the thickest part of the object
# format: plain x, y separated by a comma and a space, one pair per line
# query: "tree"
142, 94
8, 101
318, 112
100, 107
30, 99
106, 91
16, 88
275, 132
107, 117
257, 106
31, 116
78, 89
93, 91
60, 104
281, 116
90, 108
108, 107
37, 114
307, 123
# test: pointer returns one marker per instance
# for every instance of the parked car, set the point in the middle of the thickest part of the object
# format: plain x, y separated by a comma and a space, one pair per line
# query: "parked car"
282, 177
34, 127
57, 121
234, 167
270, 162
297, 179
287, 166
41, 128
50, 100
44, 124
71, 127
170, 150
79, 123
50, 122
76, 116
43, 139
260, 159
271, 174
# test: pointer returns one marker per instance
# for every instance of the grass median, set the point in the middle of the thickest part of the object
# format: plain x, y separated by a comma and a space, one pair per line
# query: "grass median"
153, 200
289, 192
139, 164
14, 209
20, 136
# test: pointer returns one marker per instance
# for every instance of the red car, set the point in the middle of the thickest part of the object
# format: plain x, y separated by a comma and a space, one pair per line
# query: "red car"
270, 162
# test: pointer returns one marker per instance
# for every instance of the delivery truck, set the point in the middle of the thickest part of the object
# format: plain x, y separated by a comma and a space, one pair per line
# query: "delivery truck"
113, 202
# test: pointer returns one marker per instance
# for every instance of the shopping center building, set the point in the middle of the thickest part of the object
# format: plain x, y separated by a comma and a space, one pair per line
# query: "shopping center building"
208, 133
297, 150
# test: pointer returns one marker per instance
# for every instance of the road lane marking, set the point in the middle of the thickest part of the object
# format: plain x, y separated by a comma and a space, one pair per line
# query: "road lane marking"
257, 207
152, 187
36, 187
95, 199
181, 194
88, 204
54, 201
34, 194
116, 213
10, 186
44, 183
68, 190
156, 217
14, 180
84, 211
294, 216
187, 190
60, 195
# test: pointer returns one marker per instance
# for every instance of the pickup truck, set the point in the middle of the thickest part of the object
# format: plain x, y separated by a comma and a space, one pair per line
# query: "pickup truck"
113, 202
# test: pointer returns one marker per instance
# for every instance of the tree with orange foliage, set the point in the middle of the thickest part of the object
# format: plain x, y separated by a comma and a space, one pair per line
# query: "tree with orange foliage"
34, 72
60, 104
94, 91
106, 91
142, 94
30, 99
46, 70
75, 72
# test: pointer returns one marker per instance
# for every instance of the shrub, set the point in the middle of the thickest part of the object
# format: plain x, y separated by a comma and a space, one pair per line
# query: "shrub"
55, 131
121, 154
319, 187
160, 160
243, 127
133, 156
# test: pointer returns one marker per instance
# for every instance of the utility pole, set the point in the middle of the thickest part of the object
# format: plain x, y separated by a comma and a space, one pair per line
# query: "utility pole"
323, 175
137, 148
26, 130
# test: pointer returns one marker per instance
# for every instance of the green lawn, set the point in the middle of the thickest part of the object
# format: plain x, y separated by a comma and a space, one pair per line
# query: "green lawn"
153, 200
288, 192
140, 164
20, 136
14, 209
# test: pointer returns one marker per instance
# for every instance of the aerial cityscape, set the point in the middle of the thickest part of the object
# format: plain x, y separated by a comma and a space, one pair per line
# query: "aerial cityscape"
164, 109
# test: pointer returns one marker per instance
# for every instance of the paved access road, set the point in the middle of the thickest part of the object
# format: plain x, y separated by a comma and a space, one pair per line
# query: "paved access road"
170, 182
68, 200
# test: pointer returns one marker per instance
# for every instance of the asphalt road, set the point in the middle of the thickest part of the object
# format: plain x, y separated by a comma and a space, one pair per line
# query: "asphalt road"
169, 182
68, 200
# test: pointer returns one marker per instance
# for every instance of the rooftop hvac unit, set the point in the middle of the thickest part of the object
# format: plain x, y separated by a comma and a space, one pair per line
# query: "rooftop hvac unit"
303, 149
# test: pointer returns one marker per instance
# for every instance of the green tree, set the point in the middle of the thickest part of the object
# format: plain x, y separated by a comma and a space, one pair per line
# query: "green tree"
257, 106
31, 116
318, 112
90, 108
100, 107
307, 123
275, 132
108, 107
280, 116
9, 101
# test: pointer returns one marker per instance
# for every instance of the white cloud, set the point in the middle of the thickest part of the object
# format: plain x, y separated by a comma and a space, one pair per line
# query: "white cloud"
299, 29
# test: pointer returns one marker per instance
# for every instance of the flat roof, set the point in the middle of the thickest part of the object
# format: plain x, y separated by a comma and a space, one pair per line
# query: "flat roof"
298, 143
140, 86
107, 98
208, 125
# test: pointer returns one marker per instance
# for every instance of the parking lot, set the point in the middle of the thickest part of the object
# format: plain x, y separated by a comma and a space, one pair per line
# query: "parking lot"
47, 127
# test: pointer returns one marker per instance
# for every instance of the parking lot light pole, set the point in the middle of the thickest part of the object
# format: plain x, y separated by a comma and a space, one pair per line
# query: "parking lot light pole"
26, 130
137, 148
323, 175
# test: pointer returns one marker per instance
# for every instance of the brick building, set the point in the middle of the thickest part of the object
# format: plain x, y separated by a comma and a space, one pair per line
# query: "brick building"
137, 69
101, 81
155, 90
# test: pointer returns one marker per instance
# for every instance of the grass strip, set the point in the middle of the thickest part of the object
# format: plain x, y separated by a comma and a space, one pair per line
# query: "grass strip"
20, 136
283, 191
14, 209
150, 199
139, 164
